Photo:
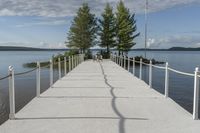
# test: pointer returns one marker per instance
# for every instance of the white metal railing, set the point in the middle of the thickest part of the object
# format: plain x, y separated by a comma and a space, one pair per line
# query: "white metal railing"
73, 61
121, 61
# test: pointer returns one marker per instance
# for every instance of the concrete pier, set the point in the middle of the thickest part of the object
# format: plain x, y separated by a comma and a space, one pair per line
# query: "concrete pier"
101, 98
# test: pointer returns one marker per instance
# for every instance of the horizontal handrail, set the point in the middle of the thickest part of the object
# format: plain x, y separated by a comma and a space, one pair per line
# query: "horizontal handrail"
5, 77
136, 61
26, 72
46, 66
180, 72
145, 64
73, 61
166, 68
159, 67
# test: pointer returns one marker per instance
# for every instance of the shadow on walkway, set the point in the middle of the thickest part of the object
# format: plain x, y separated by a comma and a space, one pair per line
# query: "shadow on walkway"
114, 106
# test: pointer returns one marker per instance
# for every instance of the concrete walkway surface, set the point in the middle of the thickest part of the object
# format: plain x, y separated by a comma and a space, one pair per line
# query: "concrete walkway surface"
101, 98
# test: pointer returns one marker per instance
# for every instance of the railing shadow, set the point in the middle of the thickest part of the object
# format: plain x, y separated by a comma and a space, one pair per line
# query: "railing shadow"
114, 106
63, 118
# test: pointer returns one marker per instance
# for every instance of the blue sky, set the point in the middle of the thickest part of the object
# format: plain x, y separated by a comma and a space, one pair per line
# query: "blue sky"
45, 23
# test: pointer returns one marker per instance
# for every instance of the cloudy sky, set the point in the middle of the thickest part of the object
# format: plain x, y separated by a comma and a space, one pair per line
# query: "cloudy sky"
45, 23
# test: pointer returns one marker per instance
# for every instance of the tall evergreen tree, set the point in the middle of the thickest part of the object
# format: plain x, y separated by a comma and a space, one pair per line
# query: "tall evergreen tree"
126, 28
82, 32
107, 28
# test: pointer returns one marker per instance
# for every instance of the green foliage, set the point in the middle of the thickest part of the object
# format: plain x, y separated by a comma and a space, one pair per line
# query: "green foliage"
82, 32
71, 52
88, 54
104, 54
107, 29
126, 28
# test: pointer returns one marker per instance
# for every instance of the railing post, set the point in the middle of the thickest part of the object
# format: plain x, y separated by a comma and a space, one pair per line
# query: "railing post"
166, 80
121, 61
59, 68
134, 66
118, 60
65, 65
196, 94
76, 61
150, 74
83, 56
11, 93
140, 68
51, 73
124, 62
72, 62
128, 64
69, 63
38, 80
79, 59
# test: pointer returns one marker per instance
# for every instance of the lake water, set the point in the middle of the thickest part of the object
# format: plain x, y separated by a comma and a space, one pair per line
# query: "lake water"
180, 87
25, 84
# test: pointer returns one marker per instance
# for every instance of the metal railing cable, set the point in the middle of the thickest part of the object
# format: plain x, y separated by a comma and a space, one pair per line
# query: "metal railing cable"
26, 72
159, 67
73, 61
145, 64
180, 72
136, 61
46, 66
119, 60
5, 77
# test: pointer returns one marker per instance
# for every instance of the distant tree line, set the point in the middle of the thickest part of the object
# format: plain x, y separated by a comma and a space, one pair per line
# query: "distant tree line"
112, 30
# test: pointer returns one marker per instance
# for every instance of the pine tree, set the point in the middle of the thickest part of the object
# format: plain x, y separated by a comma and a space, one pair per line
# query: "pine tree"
107, 29
82, 32
126, 28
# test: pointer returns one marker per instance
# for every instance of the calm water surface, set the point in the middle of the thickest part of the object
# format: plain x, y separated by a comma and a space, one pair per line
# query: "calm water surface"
181, 87
25, 84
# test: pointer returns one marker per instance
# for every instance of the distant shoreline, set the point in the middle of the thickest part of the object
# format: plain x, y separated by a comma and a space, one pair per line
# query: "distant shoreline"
14, 48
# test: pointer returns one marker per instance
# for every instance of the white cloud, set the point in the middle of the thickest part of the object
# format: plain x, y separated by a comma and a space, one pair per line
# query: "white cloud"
150, 42
62, 8
36, 45
175, 41
44, 22
51, 45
